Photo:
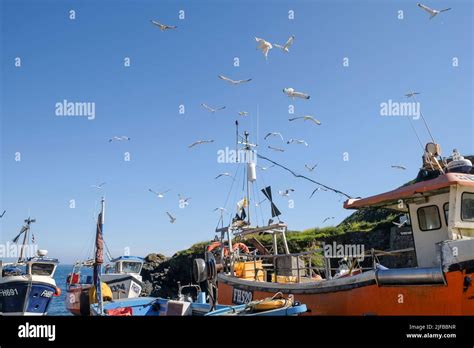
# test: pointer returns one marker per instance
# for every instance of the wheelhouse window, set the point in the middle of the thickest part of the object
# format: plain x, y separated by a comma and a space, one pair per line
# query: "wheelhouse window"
467, 206
428, 218
131, 267
446, 212
42, 269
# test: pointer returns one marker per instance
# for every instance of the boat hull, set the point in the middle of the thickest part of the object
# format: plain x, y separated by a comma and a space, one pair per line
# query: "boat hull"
362, 295
25, 297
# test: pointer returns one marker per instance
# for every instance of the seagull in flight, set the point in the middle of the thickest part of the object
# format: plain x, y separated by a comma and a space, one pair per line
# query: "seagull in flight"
172, 218
399, 167
275, 148
433, 13
99, 186
3, 214
263, 45
211, 109
159, 194
306, 118
297, 141
310, 168
183, 201
243, 113
163, 27
286, 193
411, 94
121, 138
290, 92
274, 134
199, 142
233, 82
286, 46
265, 168
223, 174
328, 218
316, 190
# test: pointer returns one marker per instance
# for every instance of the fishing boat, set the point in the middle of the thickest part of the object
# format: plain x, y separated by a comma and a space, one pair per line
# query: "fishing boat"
27, 285
118, 279
439, 204
277, 305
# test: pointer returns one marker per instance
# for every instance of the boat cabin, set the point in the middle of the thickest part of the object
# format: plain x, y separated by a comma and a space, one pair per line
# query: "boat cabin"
34, 266
126, 265
440, 210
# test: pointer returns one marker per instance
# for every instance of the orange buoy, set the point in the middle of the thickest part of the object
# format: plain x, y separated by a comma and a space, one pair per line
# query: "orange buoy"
57, 292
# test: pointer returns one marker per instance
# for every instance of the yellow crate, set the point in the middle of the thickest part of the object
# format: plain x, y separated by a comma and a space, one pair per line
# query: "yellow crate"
284, 279
246, 270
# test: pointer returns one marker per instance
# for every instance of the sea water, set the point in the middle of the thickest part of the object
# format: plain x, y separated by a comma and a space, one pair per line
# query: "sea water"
58, 304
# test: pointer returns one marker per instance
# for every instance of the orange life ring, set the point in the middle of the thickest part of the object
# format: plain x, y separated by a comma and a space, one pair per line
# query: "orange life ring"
215, 245
57, 292
242, 247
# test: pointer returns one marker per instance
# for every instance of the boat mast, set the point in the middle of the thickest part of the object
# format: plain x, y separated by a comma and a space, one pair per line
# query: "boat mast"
99, 256
25, 238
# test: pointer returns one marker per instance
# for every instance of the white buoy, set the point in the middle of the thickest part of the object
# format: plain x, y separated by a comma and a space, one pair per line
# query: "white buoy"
251, 172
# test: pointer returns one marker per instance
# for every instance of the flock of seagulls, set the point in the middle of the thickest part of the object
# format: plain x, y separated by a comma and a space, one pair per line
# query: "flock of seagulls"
265, 46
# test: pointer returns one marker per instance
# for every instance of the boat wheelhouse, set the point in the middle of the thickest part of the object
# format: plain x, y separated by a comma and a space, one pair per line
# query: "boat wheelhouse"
27, 285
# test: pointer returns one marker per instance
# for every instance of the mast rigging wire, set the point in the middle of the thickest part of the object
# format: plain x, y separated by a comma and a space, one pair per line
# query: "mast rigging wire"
303, 176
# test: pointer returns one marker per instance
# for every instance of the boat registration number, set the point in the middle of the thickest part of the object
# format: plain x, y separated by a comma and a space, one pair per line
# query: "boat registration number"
8, 292
240, 296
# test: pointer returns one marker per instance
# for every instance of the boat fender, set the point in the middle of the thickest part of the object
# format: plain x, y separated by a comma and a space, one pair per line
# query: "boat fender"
57, 292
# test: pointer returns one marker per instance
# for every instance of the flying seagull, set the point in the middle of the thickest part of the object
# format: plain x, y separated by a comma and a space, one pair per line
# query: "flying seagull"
199, 142
286, 46
233, 82
306, 118
310, 168
221, 209
275, 148
99, 186
159, 194
163, 27
183, 201
3, 214
243, 113
211, 109
433, 13
172, 218
286, 193
265, 168
399, 167
263, 45
411, 94
290, 92
274, 134
297, 141
223, 174
316, 190
400, 224
328, 218
121, 138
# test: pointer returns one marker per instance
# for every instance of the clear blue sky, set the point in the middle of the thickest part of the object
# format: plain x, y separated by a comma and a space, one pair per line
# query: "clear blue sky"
82, 60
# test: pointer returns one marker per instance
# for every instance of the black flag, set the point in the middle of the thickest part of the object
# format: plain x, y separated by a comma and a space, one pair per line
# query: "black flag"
267, 191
